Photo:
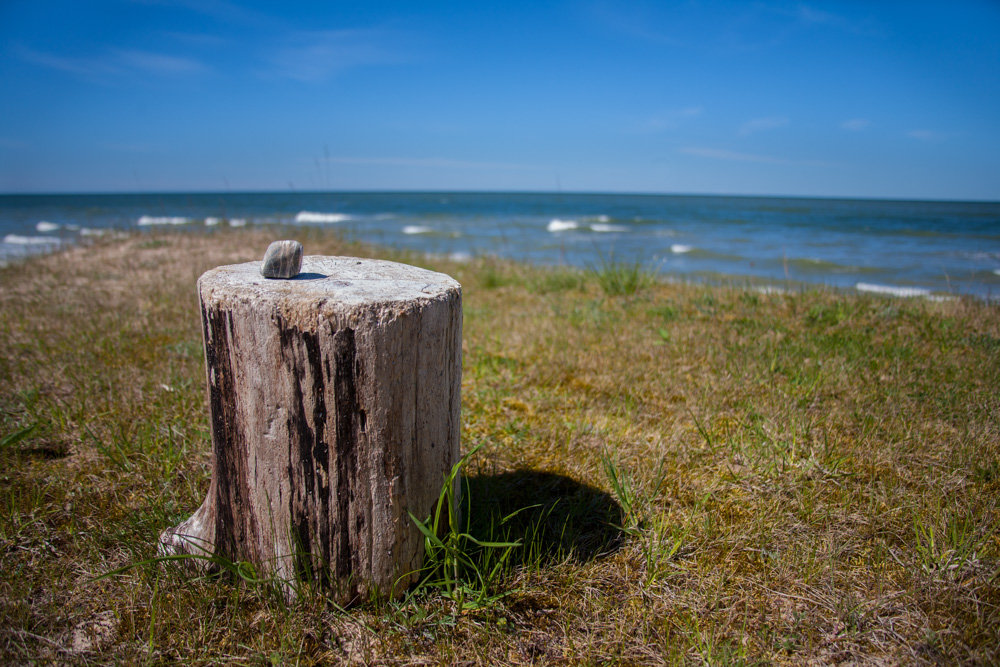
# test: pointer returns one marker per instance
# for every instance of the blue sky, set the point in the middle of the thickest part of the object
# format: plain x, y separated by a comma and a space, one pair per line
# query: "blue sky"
884, 99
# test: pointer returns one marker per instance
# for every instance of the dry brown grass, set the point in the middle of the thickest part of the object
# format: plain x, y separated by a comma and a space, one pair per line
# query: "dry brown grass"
802, 477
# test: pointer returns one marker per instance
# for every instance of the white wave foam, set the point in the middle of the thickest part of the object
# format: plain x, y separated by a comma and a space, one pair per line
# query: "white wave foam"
996, 271
980, 256
148, 220
44, 226
311, 216
892, 290
557, 225
17, 239
87, 231
680, 248
598, 227
211, 222
417, 229
460, 257
238, 222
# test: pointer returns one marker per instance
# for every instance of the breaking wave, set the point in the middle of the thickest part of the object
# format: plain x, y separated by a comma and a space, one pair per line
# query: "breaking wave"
149, 220
892, 290
313, 217
557, 225
17, 239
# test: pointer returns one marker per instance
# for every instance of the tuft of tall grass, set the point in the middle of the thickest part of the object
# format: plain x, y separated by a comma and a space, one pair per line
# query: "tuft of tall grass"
620, 278
462, 568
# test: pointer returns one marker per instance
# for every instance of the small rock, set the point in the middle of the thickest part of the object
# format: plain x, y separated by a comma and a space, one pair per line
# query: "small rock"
283, 259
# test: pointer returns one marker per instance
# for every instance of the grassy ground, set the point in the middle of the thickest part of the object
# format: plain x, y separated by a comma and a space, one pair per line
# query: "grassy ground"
794, 477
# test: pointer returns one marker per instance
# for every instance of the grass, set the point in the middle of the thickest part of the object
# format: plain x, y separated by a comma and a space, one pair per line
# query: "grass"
618, 278
457, 565
704, 474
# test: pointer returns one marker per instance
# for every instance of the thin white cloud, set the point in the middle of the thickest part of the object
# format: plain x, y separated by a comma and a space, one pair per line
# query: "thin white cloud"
157, 63
735, 156
856, 124
750, 26
762, 124
114, 63
809, 16
315, 56
431, 162
631, 21
669, 120
88, 67
730, 156
221, 10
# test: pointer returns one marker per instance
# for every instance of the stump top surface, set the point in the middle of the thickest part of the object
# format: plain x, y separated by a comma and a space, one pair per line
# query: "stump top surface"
346, 280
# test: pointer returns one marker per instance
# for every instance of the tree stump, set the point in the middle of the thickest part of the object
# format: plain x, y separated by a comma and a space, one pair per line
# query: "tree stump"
334, 401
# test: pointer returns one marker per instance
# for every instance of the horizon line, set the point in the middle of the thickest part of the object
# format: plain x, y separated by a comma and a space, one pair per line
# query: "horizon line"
596, 193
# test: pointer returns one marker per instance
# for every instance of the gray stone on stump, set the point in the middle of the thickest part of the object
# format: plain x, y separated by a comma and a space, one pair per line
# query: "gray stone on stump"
334, 405
283, 259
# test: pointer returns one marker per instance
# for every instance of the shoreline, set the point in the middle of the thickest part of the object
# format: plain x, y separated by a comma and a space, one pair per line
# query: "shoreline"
944, 248
54, 245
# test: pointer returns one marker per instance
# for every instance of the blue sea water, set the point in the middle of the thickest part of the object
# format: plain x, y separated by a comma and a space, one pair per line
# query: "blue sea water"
906, 248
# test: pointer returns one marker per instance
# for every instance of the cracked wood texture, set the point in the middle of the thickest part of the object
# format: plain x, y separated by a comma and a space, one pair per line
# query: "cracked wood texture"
334, 401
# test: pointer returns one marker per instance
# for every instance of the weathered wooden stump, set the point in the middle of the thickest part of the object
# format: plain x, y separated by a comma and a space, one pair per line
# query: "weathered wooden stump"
334, 401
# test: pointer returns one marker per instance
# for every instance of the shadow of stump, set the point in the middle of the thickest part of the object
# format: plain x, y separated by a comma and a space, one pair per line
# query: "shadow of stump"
553, 516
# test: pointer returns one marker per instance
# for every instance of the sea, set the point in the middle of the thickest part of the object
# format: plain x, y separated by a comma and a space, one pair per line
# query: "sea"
897, 248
